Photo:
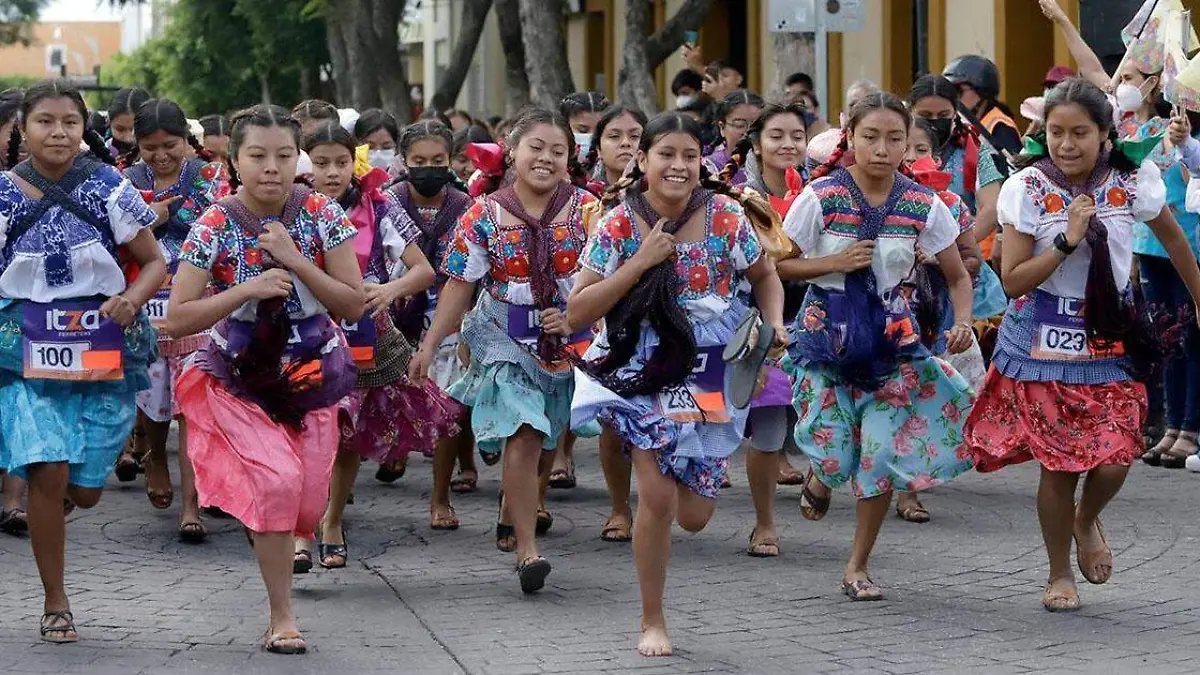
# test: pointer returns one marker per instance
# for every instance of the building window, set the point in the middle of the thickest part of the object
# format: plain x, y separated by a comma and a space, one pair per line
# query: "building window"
56, 58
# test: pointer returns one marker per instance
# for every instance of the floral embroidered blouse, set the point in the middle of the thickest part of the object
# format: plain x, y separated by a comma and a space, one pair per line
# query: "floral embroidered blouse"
493, 248
1036, 207
709, 269
201, 186
219, 245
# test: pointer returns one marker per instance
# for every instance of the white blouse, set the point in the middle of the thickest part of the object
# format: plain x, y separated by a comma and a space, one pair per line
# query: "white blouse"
895, 253
1034, 206
107, 195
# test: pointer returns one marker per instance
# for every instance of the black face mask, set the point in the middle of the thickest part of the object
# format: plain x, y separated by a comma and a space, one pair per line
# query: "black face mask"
123, 147
429, 180
941, 128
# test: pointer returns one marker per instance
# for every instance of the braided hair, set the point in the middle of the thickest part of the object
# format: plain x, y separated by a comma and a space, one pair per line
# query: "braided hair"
582, 103
373, 120
426, 130
741, 152
525, 121
263, 116
332, 133
313, 110
10, 106
161, 114
878, 100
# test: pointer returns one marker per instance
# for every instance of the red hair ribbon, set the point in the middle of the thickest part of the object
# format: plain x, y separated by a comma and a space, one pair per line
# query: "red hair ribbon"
929, 173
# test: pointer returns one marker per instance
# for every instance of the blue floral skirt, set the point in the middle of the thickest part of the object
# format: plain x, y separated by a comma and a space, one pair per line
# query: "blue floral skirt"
905, 435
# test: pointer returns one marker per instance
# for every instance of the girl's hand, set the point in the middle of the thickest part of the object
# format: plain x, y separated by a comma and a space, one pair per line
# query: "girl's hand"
1179, 130
276, 241
120, 310
959, 338
779, 344
858, 256
163, 210
418, 365
1079, 215
657, 247
554, 322
380, 297
274, 283
1052, 10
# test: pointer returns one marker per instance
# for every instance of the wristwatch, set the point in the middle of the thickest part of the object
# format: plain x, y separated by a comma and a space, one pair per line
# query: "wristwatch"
1060, 243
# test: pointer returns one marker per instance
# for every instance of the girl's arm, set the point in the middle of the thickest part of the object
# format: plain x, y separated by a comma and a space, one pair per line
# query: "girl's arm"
985, 203
123, 308
338, 287
768, 292
961, 297
594, 295
189, 312
1090, 67
856, 257
968, 250
419, 277
453, 303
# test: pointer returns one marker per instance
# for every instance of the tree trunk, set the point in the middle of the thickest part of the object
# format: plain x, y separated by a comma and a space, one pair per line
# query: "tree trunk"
335, 38
664, 41
637, 88
517, 80
545, 51
362, 48
393, 78
474, 14
264, 86
794, 53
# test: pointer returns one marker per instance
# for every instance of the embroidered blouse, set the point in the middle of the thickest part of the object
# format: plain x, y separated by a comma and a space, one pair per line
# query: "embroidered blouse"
218, 244
93, 266
201, 185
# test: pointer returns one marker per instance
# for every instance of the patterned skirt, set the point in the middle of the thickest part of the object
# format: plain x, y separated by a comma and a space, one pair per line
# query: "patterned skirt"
1065, 427
905, 435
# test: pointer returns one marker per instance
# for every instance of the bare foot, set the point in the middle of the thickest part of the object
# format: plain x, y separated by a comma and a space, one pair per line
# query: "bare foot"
655, 641
1060, 595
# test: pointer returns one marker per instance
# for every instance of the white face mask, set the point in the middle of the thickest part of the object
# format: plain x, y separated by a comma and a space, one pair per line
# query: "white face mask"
381, 159
1129, 98
584, 141
684, 101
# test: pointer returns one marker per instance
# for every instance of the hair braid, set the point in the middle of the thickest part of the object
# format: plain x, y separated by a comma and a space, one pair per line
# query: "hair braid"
201, 151
96, 144
834, 158
737, 160
759, 212
13, 154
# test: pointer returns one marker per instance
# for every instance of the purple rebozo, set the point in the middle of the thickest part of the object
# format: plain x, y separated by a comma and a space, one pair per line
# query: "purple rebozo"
287, 367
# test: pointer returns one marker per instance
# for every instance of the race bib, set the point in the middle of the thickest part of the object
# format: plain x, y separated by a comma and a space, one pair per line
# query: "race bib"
525, 326
1061, 335
71, 340
156, 307
361, 336
701, 397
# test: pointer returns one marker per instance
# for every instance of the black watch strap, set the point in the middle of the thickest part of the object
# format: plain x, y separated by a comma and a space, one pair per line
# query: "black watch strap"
1060, 243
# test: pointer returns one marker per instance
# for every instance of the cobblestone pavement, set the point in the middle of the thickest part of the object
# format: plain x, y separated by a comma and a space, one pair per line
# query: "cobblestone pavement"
962, 591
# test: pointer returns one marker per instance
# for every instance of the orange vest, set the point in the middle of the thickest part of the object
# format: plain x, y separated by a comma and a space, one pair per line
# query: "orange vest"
996, 116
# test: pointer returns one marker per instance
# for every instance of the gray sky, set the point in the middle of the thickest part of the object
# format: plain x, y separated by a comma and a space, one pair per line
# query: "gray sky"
79, 10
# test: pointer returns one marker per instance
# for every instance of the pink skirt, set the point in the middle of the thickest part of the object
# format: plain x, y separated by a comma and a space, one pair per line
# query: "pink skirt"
386, 423
1066, 427
270, 477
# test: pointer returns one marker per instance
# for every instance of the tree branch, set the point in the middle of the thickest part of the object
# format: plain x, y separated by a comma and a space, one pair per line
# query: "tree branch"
474, 15
664, 41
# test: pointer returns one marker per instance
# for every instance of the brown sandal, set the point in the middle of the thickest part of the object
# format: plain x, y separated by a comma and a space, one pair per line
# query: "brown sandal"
813, 507
444, 522
862, 590
274, 643
59, 627
616, 530
159, 499
766, 548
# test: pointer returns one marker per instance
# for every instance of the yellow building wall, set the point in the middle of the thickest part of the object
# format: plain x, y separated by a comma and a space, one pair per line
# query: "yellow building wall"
862, 51
88, 44
971, 28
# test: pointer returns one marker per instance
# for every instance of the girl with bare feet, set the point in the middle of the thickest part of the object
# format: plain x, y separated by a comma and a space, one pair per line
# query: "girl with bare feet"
179, 189
521, 245
428, 195
876, 409
1066, 385
261, 400
74, 341
386, 417
662, 269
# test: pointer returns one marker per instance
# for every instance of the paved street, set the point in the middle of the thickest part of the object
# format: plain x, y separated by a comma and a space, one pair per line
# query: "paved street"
962, 591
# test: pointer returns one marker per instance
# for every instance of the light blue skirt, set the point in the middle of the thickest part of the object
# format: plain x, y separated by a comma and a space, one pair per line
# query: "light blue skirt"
502, 398
990, 299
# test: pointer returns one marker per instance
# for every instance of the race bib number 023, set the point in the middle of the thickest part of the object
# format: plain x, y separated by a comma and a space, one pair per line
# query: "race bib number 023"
1061, 334
71, 341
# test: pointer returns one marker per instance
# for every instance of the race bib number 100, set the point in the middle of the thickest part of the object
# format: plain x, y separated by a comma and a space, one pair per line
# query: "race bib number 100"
71, 341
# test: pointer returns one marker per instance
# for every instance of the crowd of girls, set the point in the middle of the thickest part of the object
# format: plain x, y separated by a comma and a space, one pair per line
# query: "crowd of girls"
302, 291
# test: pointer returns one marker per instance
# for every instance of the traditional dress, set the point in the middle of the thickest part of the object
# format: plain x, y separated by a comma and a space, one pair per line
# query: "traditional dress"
386, 417
1050, 395
200, 185
898, 426
68, 376
506, 385
691, 428
271, 476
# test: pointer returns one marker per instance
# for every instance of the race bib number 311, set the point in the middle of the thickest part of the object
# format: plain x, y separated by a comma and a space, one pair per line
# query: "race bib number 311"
71, 341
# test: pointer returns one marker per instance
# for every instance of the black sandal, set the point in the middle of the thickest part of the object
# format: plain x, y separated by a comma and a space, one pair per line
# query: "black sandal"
533, 573
67, 627
302, 562
327, 551
193, 532
545, 521
388, 473
506, 535
14, 522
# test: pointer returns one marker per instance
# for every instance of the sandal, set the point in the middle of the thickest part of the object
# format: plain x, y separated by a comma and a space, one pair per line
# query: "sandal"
789, 477
616, 530
193, 532
813, 507
127, 467
1176, 456
545, 521
390, 472
464, 484
490, 459
766, 548
506, 535
60, 623
327, 551
301, 561
1058, 601
443, 522
159, 499
862, 590
913, 513
563, 479
533, 573
1089, 561
14, 522
1153, 456
275, 643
